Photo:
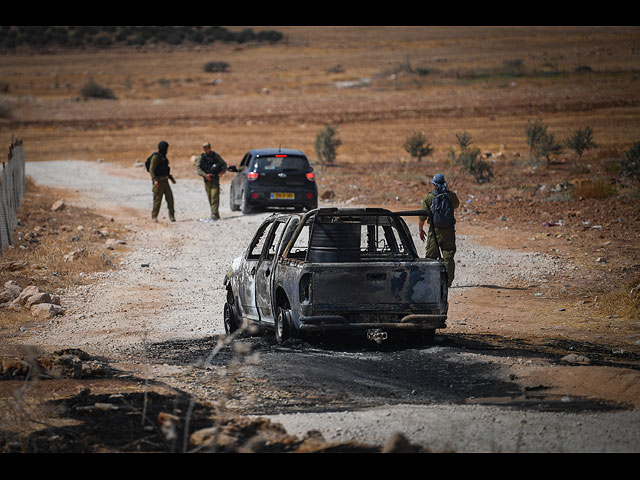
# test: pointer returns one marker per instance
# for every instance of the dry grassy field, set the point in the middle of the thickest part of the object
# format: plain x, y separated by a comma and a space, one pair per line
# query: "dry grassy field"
377, 85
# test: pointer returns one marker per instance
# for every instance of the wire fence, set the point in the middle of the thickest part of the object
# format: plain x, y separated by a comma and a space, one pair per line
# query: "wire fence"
13, 185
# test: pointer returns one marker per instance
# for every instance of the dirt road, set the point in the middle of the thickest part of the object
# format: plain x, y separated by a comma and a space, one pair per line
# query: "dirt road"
159, 316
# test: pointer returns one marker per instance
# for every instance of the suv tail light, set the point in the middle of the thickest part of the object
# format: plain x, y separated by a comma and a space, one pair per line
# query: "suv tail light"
311, 176
251, 176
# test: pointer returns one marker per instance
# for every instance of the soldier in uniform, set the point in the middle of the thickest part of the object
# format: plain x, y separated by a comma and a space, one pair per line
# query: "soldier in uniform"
160, 175
210, 166
446, 237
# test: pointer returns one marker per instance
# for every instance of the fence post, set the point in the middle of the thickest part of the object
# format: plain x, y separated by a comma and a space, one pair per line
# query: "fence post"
12, 188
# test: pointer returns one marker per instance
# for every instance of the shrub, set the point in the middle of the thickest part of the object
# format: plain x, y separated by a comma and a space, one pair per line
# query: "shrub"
580, 141
631, 162
418, 146
327, 143
534, 131
215, 67
464, 140
548, 146
470, 159
93, 90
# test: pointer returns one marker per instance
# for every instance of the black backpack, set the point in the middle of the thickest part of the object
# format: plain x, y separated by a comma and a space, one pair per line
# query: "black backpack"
442, 211
147, 164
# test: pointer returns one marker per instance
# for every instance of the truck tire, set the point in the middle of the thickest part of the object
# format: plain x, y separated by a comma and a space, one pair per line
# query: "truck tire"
231, 323
284, 326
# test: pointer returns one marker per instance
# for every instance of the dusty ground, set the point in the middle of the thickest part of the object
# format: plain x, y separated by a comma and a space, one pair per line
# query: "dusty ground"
526, 294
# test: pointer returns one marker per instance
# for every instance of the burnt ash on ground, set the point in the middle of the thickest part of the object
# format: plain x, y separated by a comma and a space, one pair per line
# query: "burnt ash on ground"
325, 376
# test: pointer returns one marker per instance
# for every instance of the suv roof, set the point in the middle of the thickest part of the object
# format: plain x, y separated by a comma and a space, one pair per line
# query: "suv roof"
276, 151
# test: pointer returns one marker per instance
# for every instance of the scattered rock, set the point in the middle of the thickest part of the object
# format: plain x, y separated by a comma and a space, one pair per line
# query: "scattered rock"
73, 256
13, 287
37, 298
575, 358
328, 195
6, 296
46, 311
26, 293
112, 243
14, 266
58, 205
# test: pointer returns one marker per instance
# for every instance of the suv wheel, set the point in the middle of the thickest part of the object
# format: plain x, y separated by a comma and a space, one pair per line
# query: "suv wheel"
244, 206
232, 204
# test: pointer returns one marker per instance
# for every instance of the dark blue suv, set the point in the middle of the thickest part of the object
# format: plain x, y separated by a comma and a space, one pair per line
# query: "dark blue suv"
273, 177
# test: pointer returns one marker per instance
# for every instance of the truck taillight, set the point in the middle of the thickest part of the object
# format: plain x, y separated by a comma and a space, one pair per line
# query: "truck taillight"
311, 176
251, 176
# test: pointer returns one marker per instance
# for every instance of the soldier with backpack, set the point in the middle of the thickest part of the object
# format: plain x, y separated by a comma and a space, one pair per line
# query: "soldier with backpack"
158, 167
441, 203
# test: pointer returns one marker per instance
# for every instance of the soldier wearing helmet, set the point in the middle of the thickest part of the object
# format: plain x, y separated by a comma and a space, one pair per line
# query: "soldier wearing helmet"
445, 231
160, 175
210, 166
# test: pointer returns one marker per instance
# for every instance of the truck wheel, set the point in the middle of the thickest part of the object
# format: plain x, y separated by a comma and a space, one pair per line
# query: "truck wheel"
284, 327
231, 323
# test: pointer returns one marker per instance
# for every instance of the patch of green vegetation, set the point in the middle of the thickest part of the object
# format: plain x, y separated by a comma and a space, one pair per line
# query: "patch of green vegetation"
12, 37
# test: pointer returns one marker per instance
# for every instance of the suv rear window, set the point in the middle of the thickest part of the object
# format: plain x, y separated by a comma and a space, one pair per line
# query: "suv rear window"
271, 164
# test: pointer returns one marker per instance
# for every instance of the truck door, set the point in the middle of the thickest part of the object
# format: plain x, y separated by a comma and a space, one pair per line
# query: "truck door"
252, 259
264, 273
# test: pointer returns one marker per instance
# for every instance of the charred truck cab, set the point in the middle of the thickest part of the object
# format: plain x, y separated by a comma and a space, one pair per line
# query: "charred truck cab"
355, 271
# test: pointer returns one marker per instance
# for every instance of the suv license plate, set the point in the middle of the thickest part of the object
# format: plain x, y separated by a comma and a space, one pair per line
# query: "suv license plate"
283, 195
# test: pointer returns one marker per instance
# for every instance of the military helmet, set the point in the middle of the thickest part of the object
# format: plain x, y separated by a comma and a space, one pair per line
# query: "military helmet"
438, 179
206, 144
163, 147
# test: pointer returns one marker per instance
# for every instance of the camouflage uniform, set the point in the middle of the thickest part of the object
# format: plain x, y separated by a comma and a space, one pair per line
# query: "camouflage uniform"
204, 165
446, 237
160, 173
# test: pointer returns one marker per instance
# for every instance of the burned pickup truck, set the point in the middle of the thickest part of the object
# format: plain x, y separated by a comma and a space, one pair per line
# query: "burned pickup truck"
349, 270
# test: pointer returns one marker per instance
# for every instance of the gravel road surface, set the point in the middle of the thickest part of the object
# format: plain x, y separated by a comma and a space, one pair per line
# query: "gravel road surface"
168, 288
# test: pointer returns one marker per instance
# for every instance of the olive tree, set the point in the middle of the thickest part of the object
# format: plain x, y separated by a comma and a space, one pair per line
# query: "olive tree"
327, 143
580, 141
418, 146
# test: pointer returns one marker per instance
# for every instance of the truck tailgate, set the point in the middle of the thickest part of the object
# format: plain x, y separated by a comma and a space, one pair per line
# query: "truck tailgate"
381, 286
